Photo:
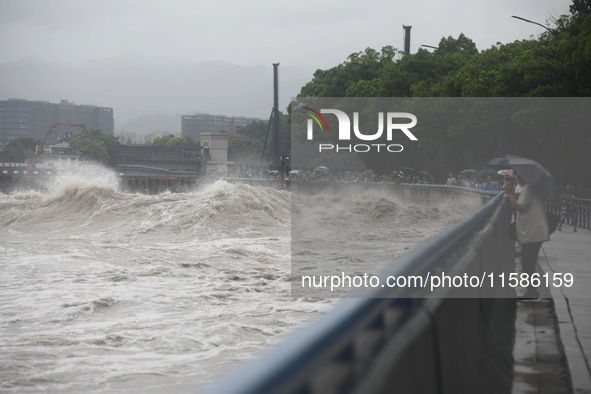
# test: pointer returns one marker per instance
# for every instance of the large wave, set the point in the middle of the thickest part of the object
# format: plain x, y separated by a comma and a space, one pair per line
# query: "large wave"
364, 231
92, 202
107, 290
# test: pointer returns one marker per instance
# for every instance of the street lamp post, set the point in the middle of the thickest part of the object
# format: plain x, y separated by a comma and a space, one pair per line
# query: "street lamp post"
554, 32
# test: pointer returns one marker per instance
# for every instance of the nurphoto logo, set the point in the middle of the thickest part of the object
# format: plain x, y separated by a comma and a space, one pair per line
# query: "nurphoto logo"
390, 119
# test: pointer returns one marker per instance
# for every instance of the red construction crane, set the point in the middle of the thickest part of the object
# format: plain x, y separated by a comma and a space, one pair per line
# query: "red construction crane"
40, 147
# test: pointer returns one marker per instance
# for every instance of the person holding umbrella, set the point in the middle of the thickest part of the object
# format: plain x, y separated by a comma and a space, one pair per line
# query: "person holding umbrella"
532, 229
451, 180
532, 226
533, 173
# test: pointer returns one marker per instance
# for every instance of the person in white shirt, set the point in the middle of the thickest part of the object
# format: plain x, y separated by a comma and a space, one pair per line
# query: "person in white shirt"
451, 180
532, 229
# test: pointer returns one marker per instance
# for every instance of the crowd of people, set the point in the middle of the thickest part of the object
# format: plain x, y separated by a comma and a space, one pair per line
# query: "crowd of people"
531, 227
407, 175
489, 182
395, 177
323, 174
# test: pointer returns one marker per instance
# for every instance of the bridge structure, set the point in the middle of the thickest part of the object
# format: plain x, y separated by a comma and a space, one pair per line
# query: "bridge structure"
401, 340
133, 178
14, 175
147, 179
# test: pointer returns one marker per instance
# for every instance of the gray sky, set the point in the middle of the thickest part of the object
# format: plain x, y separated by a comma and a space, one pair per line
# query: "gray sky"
310, 34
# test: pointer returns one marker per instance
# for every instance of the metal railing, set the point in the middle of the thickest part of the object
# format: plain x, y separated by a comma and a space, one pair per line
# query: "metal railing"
383, 339
12, 165
579, 213
582, 213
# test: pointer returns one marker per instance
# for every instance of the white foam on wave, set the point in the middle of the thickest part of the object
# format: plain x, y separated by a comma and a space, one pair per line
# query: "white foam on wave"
87, 175
104, 288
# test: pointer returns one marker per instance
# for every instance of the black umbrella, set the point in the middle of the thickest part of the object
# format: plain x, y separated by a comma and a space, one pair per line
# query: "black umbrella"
427, 175
487, 172
540, 179
469, 173
322, 169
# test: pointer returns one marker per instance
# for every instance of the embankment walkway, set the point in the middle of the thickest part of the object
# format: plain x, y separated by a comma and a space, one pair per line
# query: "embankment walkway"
553, 339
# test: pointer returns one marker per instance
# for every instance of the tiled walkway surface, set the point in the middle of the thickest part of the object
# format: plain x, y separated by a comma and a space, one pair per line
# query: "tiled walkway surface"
553, 344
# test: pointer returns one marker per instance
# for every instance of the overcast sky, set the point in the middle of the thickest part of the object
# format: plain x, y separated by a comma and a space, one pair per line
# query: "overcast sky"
310, 34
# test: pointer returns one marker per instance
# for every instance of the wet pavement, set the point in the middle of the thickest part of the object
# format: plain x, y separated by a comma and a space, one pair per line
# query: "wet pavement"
553, 336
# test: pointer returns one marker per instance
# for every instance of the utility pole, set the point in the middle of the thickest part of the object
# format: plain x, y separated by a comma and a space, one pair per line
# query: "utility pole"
276, 120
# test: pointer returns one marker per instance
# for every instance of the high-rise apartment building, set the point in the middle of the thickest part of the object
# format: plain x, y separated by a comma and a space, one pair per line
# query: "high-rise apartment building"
24, 118
192, 126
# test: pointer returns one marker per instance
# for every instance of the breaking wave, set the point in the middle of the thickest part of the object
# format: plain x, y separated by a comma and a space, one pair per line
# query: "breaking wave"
111, 291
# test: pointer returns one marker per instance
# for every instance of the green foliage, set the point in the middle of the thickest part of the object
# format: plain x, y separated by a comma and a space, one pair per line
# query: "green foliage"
18, 150
360, 68
173, 141
247, 145
580, 8
256, 130
242, 148
94, 145
555, 64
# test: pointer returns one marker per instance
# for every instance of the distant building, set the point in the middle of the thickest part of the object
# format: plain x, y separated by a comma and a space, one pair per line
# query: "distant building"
58, 156
23, 118
192, 126
214, 152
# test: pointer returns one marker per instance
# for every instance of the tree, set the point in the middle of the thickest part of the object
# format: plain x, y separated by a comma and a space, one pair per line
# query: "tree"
18, 150
340, 81
94, 145
248, 143
580, 8
172, 141
555, 64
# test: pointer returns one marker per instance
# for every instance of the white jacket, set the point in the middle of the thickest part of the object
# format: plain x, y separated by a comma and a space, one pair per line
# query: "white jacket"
532, 219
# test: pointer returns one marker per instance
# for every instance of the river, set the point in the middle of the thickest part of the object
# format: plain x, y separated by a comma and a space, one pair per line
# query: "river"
106, 291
